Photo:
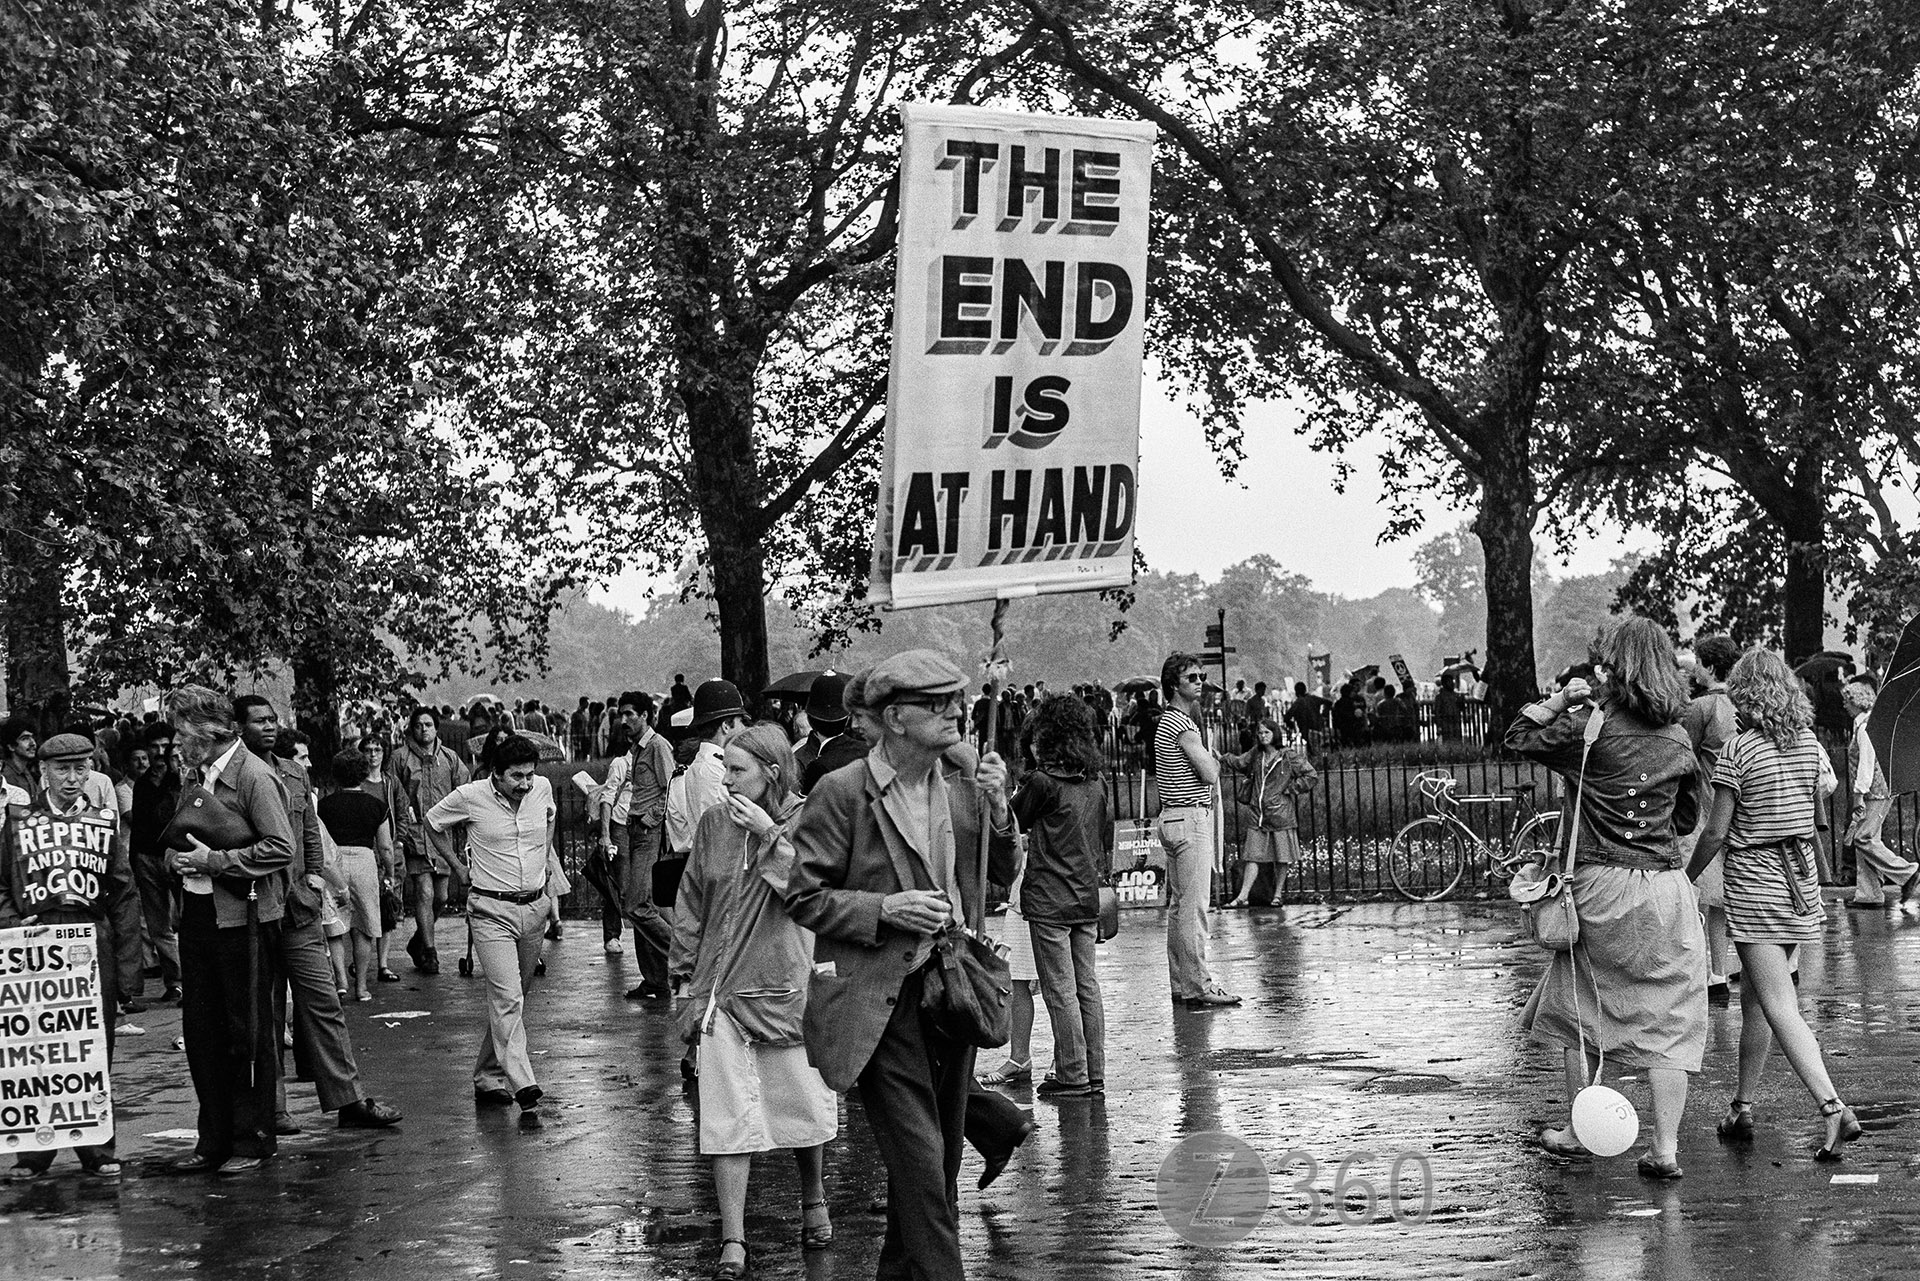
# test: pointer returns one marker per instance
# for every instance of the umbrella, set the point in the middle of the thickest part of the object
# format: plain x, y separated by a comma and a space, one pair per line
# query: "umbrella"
797, 685
599, 874
1137, 684
1894, 726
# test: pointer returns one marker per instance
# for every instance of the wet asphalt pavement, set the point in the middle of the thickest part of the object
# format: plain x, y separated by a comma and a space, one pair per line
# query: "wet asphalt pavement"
1370, 1031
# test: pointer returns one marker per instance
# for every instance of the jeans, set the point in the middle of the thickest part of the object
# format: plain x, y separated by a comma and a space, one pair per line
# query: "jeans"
636, 851
157, 909
1186, 833
1063, 954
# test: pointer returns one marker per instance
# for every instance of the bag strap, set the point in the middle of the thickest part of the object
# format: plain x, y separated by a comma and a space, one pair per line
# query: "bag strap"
1592, 732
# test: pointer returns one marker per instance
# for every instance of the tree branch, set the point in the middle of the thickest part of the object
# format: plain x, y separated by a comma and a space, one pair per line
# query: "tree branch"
853, 436
1455, 431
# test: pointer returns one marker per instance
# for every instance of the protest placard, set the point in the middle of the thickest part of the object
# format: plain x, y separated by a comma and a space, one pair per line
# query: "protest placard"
61, 862
55, 1090
1013, 397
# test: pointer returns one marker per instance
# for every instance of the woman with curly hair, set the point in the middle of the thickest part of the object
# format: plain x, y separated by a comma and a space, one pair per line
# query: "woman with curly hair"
1635, 984
1766, 789
1062, 807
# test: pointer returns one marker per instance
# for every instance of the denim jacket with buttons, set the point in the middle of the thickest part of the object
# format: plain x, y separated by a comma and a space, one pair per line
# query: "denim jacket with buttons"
1641, 785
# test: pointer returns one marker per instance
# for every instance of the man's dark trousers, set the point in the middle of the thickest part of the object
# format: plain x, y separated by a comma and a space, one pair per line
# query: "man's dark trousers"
236, 1119
319, 1023
915, 1092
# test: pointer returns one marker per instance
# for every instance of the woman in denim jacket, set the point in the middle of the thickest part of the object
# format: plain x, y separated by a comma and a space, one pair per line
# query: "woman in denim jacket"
1636, 982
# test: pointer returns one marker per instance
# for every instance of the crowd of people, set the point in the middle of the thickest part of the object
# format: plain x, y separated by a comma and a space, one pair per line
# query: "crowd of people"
788, 875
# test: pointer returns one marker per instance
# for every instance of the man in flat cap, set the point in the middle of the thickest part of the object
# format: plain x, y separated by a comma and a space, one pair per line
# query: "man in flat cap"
888, 855
70, 873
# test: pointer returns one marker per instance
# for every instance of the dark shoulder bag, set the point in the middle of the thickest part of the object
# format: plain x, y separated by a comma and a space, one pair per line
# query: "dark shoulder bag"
967, 986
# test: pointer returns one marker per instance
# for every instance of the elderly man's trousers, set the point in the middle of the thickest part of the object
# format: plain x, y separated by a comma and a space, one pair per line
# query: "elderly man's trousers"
914, 1090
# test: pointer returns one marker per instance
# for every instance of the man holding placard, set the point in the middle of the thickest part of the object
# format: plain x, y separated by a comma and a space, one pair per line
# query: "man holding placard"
69, 861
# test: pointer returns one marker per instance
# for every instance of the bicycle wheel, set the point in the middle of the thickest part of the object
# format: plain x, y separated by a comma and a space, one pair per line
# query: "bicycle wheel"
1426, 859
1537, 838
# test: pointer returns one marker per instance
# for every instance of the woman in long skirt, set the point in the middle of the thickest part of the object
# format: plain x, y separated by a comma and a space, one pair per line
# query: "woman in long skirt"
1635, 984
741, 967
1767, 787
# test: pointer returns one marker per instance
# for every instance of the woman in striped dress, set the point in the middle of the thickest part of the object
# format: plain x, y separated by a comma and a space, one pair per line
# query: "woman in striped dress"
1766, 788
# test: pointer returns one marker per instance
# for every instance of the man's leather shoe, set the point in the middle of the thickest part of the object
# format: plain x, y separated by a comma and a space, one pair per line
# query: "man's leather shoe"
650, 992
529, 1096
495, 1098
368, 1114
284, 1125
195, 1164
243, 1165
996, 1161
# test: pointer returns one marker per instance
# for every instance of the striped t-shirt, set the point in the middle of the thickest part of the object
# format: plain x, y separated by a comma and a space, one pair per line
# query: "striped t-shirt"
1777, 787
1173, 772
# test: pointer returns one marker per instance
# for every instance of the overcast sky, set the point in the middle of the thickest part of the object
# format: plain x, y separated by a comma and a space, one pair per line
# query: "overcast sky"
1282, 503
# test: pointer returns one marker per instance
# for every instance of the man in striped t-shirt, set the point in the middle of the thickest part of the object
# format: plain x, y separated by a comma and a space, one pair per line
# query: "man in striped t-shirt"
1187, 772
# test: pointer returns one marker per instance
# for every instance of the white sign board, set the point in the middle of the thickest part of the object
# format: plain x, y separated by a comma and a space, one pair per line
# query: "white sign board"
55, 1089
1013, 402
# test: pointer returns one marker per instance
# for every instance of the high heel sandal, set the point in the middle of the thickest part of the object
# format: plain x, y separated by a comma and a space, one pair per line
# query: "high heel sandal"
1737, 1125
1008, 1073
815, 1236
725, 1271
1842, 1128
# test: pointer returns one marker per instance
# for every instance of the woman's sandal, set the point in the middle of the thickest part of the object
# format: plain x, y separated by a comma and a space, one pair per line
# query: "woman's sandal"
1652, 1167
815, 1236
1842, 1128
1008, 1073
1737, 1125
388, 976
105, 1170
728, 1271
1562, 1143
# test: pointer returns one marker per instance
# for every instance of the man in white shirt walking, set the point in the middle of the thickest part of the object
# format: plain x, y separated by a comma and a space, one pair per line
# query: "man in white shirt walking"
508, 818
1874, 864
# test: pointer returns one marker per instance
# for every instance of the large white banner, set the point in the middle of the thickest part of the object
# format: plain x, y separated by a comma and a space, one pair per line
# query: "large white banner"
1013, 404
55, 1090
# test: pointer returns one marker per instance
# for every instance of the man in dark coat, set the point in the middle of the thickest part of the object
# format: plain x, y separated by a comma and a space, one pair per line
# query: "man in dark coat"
888, 855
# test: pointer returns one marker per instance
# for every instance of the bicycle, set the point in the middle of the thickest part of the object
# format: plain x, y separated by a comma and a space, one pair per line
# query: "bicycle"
1429, 856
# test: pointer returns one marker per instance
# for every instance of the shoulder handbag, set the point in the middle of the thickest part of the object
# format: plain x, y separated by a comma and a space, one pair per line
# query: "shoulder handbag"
967, 987
1545, 894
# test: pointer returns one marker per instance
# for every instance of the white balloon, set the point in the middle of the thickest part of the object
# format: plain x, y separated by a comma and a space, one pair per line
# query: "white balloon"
1604, 1121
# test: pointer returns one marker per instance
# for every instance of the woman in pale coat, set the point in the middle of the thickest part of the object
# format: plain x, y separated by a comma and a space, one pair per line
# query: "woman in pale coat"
741, 966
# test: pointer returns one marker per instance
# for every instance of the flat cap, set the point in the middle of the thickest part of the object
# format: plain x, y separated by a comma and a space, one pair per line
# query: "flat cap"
913, 671
66, 747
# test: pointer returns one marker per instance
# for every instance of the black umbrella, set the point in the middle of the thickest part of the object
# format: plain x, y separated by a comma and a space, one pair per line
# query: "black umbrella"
796, 685
1137, 684
599, 872
1894, 726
